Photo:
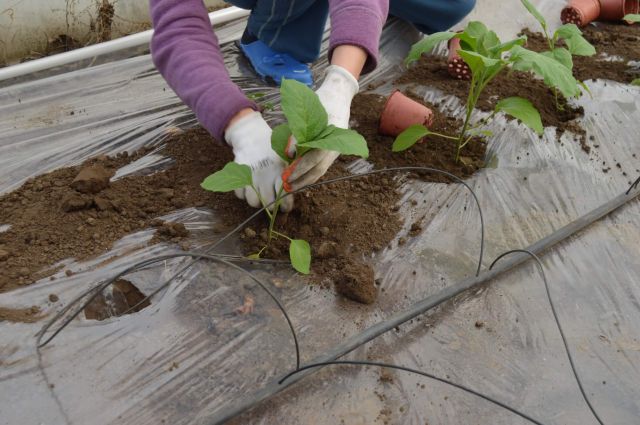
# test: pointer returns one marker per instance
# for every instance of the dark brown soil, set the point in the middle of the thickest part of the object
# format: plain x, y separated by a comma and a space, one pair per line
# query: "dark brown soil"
20, 315
435, 152
613, 39
344, 222
75, 212
116, 301
609, 39
51, 221
432, 71
350, 284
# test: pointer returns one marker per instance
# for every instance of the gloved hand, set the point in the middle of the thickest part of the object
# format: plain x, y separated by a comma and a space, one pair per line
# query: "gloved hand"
336, 94
250, 138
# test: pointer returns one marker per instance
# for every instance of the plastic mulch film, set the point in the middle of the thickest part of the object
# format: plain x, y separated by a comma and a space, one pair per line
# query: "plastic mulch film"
186, 357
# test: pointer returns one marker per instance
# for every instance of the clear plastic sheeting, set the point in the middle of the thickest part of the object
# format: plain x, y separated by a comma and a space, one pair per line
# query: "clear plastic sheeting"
186, 357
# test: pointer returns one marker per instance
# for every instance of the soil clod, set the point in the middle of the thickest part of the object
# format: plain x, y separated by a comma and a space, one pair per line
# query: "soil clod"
357, 282
92, 179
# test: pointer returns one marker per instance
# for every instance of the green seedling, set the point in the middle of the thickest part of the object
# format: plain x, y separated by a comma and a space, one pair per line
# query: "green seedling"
487, 57
307, 122
636, 82
570, 34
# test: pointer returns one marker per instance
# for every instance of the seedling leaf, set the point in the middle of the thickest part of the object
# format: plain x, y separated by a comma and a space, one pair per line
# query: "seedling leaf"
300, 255
489, 41
409, 137
346, 142
427, 44
574, 40
636, 82
232, 176
536, 14
478, 62
305, 114
562, 55
280, 140
507, 45
553, 72
523, 110
633, 17
476, 30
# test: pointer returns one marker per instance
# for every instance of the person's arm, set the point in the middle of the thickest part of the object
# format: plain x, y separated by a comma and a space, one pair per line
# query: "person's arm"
185, 50
356, 26
356, 23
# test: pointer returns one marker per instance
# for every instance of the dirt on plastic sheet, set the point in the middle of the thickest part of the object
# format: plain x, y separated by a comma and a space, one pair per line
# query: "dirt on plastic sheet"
434, 152
122, 297
77, 212
20, 315
432, 71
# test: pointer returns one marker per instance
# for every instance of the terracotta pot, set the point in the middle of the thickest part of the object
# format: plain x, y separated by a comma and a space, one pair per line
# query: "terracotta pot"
400, 113
614, 10
580, 12
457, 67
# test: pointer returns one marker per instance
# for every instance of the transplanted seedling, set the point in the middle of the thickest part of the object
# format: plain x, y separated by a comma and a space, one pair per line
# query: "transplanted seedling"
487, 57
307, 121
570, 34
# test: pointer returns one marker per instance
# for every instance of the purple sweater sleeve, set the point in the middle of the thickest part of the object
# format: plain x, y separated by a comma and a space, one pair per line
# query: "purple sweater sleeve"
185, 50
358, 23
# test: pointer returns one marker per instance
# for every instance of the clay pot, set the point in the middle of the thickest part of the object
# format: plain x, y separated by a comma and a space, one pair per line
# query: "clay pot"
457, 67
615, 10
580, 12
400, 113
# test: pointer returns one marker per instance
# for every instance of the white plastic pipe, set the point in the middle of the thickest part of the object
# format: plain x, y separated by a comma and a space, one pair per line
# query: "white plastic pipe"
129, 41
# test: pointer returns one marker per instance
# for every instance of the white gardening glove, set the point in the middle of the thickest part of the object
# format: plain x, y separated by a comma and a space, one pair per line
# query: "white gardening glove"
336, 94
250, 138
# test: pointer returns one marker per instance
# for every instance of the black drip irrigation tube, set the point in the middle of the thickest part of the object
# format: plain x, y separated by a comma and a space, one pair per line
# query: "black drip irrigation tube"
431, 302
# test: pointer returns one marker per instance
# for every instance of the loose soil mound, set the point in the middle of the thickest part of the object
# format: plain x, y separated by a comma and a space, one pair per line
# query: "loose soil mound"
77, 212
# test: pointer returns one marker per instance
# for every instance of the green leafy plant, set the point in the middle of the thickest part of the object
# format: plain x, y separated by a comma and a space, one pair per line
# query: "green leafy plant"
307, 121
636, 82
570, 35
487, 56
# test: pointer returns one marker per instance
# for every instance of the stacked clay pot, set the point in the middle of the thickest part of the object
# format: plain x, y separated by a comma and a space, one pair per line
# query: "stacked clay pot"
582, 12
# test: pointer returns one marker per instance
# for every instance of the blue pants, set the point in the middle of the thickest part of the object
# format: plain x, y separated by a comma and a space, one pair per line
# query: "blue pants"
296, 26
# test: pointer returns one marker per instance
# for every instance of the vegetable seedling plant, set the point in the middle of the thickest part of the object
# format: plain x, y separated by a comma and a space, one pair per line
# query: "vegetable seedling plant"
307, 122
487, 56
570, 34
